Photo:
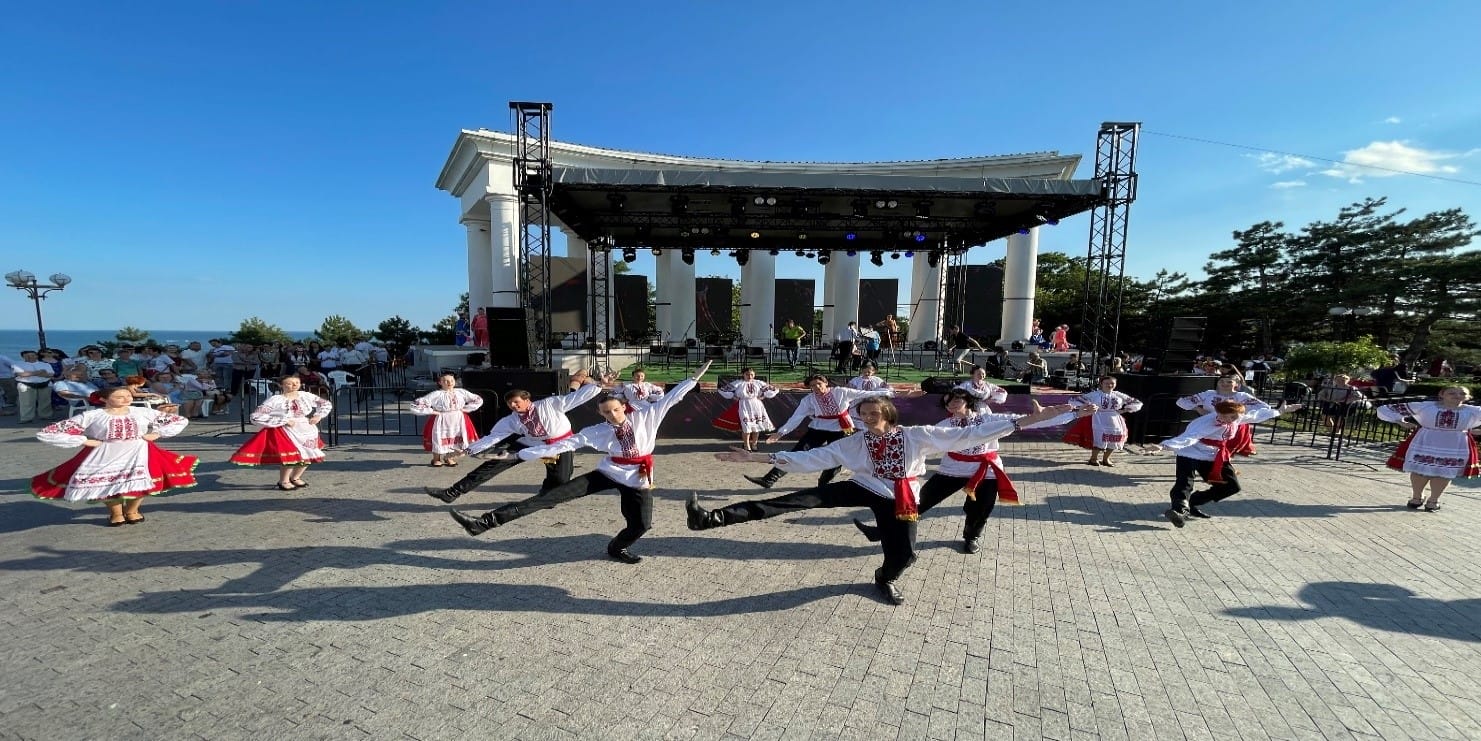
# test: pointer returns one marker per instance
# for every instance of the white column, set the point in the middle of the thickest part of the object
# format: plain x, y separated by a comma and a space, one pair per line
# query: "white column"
845, 292
575, 247
682, 313
480, 264
1020, 275
830, 325
758, 288
663, 283
504, 238
925, 310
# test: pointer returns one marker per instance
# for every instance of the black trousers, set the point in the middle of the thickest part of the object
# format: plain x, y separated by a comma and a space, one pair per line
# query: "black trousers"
555, 474
636, 504
813, 438
939, 488
1183, 487
845, 352
897, 537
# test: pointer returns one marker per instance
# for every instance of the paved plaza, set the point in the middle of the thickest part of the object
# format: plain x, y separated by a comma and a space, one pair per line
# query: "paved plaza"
1313, 606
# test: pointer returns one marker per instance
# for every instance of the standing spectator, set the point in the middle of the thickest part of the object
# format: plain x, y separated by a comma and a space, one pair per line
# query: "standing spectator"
157, 362
380, 356
1338, 399
889, 330
126, 364
195, 354
270, 360
461, 332
355, 362
245, 363
33, 379
93, 360
480, 326
220, 355
298, 357
963, 344
328, 359
1060, 340
792, 336
7, 384
847, 348
1390, 379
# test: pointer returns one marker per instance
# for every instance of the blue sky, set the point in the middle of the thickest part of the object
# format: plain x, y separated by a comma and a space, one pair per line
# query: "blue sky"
189, 164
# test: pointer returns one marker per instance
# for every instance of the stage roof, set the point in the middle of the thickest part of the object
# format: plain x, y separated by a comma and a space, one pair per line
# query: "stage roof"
737, 209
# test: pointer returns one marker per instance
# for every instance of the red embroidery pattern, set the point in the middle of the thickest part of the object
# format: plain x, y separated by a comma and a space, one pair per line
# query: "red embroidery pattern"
532, 424
1447, 461
1447, 419
827, 406
121, 428
627, 439
887, 454
972, 421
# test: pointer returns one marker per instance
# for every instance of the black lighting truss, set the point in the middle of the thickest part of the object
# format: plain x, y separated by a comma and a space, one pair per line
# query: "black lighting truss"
600, 257
1105, 260
532, 185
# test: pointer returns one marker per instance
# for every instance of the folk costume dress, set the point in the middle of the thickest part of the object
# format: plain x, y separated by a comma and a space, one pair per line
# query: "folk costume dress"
1244, 443
287, 438
1104, 430
124, 466
1443, 446
449, 429
984, 394
867, 383
748, 413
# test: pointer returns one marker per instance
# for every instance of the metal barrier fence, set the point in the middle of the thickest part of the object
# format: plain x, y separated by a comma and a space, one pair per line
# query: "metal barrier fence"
1359, 429
376, 402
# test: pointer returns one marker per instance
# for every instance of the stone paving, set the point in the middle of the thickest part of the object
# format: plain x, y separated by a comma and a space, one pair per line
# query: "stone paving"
1313, 606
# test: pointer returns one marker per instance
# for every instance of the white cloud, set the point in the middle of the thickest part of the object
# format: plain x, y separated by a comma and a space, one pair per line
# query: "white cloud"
1382, 159
1393, 120
1279, 163
1289, 184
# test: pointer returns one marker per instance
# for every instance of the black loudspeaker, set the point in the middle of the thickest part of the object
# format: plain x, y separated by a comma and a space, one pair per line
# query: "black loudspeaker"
1184, 343
942, 384
1160, 416
509, 345
493, 383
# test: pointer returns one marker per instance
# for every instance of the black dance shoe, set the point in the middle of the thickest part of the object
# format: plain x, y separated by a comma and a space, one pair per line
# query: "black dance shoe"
701, 518
1200, 514
871, 532
764, 482
887, 589
1178, 517
622, 554
475, 525
972, 545
442, 494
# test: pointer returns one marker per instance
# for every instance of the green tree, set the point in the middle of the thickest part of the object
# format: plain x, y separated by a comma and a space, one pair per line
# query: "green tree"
397, 331
444, 332
131, 335
1335, 357
258, 332
1251, 280
337, 329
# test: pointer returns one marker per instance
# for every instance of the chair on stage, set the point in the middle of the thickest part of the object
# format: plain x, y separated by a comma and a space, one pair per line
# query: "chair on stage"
676, 352
716, 354
756, 356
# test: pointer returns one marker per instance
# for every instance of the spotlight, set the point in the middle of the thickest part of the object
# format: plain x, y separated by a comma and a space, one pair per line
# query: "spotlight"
798, 253
687, 255
704, 230
755, 235
684, 232
773, 252
715, 253
657, 252
852, 253
920, 237
908, 253
877, 258
737, 206
759, 200
933, 258
617, 201
891, 203
629, 254
894, 255
1046, 220
1024, 230
771, 200
922, 209
802, 237
679, 204
808, 255
823, 257
879, 204
742, 257
850, 236
861, 207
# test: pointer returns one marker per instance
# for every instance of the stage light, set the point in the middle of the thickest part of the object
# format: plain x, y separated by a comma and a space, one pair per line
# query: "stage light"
715, 253
759, 200
861, 207
617, 201
773, 252
755, 235
891, 203
737, 205
823, 257
920, 237
909, 253
933, 258
742, 257
629, 254
879, 204
1046, 220
656, 252
679, 204
798, 253
850, 236
922, 209
894, 255
684, 232
877, 257
802, 237
809, 255
852, 253
1024, 230
704, 230
771, 200
687, 255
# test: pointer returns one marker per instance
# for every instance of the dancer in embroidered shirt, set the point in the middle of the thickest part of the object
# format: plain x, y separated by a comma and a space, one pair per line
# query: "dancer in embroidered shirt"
289, 438
1105, 430
867, 380
748, 415
638, 391
1227, 390
119, 464
1204, 448
628, 440
532, 423
968, 469
983, 392
887, 461
1441, 446
449, 429
828, 409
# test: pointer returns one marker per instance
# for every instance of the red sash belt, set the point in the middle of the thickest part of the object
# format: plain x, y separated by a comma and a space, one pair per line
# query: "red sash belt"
844, 422
1221, 459
643, 462
558, 438
1006, 493
905, 499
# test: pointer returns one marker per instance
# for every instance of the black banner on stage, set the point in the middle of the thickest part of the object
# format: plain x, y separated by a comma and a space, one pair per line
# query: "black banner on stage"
712, 309
877, 300
568, 298
794, 300
630, 308
982, 314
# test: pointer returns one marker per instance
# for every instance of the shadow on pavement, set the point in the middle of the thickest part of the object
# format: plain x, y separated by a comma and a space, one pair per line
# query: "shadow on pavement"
1379, 606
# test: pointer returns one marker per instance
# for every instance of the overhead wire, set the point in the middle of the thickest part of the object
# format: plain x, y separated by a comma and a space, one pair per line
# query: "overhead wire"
1343, 163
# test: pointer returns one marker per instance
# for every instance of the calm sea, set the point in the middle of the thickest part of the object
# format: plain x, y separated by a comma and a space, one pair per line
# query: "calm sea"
12, 341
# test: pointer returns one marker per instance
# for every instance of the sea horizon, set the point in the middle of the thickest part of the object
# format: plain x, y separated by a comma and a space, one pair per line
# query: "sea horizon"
13, 341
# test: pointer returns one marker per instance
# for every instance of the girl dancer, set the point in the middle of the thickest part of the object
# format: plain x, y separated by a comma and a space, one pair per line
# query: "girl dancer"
1105, 430
982, 391
449, 429
1440, 448
638, 390
289, 437
119, 463
748, 416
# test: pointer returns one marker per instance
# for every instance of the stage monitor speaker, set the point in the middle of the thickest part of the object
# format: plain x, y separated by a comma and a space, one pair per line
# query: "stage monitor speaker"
1186, 333
492, 383
942, 384
1160, 416
509, 345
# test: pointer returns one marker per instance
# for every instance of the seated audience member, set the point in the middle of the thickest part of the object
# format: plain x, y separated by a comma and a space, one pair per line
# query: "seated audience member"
313, 382
126, 364
74, 385
204, 383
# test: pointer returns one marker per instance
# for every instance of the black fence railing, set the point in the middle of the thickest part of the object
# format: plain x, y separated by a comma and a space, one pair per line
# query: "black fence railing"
1352, 428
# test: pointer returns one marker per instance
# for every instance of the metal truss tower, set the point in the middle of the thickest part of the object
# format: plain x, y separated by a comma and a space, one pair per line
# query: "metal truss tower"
600, 270
532, 185
1105, 261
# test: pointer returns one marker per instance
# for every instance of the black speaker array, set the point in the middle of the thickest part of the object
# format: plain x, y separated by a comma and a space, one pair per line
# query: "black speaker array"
1184, 344
509, 345
493, 383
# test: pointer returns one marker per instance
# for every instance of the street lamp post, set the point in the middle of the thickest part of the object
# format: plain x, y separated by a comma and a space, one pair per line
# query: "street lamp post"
22, 280
1352, 315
